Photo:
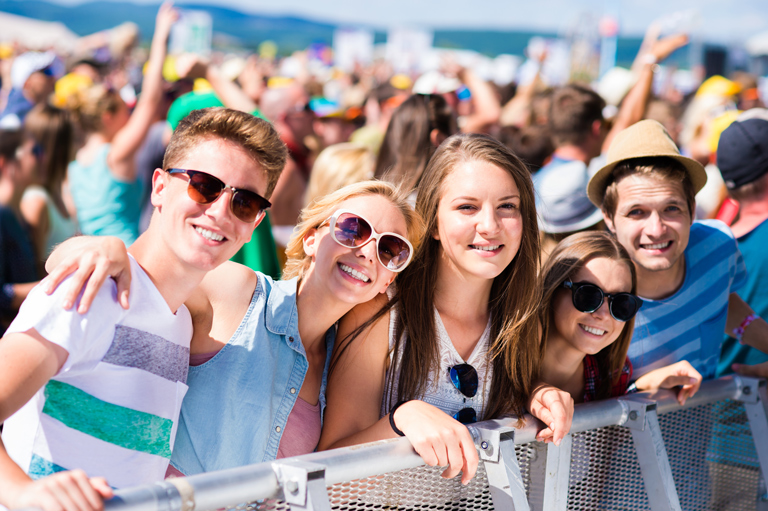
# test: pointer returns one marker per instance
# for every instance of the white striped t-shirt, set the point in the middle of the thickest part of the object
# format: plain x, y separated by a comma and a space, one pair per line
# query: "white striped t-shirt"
113, 407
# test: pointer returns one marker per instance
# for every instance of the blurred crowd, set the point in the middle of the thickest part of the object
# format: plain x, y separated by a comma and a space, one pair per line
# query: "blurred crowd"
615, 183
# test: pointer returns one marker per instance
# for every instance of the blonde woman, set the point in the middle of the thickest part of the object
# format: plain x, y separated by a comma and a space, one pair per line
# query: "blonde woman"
338, 166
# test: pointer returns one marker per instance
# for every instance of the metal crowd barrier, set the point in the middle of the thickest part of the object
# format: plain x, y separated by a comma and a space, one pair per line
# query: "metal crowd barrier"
642, 451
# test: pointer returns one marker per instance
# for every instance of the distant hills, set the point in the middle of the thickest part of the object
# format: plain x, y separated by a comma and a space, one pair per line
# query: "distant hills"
248, 30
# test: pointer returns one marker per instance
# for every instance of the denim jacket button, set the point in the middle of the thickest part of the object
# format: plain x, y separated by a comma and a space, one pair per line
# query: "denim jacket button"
278, 429
290, 339
293, 390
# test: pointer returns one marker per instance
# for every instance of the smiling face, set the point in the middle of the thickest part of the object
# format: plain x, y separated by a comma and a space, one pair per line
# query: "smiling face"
588, 333
479, 224
206, 235
652, 222
353, 275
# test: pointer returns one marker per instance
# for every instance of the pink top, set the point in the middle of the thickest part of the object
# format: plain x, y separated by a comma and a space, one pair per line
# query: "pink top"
302, 430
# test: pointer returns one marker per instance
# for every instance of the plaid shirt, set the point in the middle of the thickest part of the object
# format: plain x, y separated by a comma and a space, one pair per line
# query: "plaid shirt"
592, 379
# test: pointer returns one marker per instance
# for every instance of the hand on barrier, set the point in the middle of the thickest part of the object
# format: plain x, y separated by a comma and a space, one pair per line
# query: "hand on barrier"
757, 370
553, 407
90, 260
681, 374
439, 439
65, 491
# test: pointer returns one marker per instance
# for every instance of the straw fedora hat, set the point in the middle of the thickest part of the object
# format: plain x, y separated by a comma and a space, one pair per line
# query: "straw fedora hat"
643, 139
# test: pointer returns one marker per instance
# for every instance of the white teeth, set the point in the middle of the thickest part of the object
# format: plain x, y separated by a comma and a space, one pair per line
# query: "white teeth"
594, 331
354, 273
205, 233
657, 246
488, 248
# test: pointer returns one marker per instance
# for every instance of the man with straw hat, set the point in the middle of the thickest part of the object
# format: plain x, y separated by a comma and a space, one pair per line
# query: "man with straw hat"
687, 271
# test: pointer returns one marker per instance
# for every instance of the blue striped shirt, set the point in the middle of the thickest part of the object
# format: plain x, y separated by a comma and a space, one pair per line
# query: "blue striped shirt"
689, 324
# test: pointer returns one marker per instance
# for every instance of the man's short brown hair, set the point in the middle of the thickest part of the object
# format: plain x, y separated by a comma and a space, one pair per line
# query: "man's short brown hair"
661, 168
573, 110
256, 136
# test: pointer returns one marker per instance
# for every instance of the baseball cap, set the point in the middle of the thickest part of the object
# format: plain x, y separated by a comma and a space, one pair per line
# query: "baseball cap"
31, 62
742, 154
561, 199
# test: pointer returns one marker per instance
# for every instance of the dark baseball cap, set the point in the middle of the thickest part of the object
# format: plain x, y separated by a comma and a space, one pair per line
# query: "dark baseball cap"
742, 153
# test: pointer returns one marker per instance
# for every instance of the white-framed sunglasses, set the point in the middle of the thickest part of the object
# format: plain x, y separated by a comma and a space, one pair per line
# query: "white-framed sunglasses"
351, 230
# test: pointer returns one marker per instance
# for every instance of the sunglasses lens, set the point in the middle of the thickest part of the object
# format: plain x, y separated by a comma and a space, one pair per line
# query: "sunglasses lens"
587, 298
464, 378
246, 205
393, 252
204, 188
351, 231
623, 306
466, 416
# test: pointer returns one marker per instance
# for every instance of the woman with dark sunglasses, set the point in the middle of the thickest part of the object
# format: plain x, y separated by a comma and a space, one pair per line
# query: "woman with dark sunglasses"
458, 339
261, 349
587, 317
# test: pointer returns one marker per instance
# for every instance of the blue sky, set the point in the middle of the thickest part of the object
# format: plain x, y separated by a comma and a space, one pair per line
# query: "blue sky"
722, 20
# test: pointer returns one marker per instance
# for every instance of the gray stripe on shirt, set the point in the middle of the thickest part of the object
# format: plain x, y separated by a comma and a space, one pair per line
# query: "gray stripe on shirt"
142, 350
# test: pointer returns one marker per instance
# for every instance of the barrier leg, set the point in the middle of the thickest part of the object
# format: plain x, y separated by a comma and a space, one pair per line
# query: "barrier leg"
303, 485
754, 395
497, 452
552, 465
652, 454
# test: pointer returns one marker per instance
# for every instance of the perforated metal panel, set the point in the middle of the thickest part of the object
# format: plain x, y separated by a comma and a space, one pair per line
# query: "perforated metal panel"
710, 450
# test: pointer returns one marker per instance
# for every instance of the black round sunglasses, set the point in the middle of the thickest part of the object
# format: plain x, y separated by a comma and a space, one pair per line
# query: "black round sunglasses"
588, 297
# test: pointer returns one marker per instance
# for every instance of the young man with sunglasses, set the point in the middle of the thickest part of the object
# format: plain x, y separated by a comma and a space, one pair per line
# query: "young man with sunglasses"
687, 272
101, 392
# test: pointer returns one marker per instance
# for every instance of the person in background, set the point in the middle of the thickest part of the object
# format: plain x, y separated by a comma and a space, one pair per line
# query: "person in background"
32, 78
103, 178
338, 166
742, 157
417, 128
587, 318
18, 272
47, 205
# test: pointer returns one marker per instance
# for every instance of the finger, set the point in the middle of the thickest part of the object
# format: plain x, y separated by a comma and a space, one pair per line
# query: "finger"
750, 370
92, 498
124, 288
545, 434
455, 459
102, 487
682, 395
58, 491
46, 501
92, 286
426, 452
76, 486
57, 275
77, 282
673, 381
470, 457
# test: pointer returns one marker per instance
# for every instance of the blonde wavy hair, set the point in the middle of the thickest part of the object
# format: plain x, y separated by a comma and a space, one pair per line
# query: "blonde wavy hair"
316, 213
339, 165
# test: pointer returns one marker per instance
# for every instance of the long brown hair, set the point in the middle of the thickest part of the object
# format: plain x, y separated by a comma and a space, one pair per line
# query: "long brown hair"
52, 129
407, 145
513, 301
564, 262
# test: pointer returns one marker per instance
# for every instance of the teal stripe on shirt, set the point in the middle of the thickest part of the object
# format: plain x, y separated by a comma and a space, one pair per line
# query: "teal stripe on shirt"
125, 427
41, 467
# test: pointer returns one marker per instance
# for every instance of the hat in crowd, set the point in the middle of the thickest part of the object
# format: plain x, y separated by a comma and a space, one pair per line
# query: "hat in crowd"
561, 199
644, 139
718, 86
435, 82
742, 154
31, 62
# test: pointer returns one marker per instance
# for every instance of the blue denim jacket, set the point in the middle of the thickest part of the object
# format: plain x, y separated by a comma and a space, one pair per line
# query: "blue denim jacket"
238, 402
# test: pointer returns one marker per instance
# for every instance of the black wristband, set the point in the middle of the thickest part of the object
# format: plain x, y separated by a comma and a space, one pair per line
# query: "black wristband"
392, 418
